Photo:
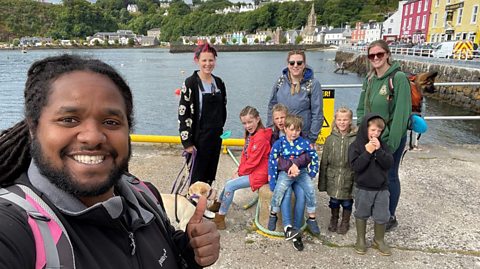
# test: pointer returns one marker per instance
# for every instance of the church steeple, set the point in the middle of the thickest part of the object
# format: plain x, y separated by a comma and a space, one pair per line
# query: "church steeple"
312, 18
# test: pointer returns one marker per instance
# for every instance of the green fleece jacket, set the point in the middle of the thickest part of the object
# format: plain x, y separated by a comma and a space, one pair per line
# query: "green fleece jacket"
375, 98
335, 175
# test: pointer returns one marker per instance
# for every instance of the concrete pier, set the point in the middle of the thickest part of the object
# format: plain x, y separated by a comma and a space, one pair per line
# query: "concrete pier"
438, 215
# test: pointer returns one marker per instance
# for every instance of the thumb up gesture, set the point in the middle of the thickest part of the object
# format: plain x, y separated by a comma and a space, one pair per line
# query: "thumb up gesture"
204, 237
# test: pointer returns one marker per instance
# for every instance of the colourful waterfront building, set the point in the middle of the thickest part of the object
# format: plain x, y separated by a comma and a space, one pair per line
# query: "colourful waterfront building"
358, 34
415, 18
454, 20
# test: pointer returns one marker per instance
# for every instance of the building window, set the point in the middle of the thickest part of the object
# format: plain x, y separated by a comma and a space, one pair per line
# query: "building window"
460, 14
471, 36
435, 18
404, 24
417, 21
474, 14
425, 6
409, 23
448, 2
406, 9
424, 21
464, 36
389, 31
419, 6
458, 36
411, 9
437, 3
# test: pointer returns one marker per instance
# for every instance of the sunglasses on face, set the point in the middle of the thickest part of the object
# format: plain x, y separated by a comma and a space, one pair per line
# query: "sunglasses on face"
292, 63
379, 55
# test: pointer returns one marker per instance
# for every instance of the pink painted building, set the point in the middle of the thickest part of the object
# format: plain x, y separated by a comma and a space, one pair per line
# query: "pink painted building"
415, 18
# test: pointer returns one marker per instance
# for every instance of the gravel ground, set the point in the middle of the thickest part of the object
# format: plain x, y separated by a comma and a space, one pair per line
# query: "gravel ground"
438, 215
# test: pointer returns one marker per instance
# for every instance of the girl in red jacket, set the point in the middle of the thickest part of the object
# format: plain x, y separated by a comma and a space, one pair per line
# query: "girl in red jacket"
252, 171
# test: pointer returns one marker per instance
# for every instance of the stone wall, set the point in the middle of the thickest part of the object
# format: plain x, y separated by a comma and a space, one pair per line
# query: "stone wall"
467, 97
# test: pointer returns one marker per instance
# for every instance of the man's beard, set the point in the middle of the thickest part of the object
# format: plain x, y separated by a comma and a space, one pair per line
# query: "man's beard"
64, 180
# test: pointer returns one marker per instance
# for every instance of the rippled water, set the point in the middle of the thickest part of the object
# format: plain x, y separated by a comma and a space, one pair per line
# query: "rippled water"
154, 74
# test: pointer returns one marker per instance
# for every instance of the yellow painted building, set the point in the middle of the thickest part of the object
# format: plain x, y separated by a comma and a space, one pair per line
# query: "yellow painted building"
454, 20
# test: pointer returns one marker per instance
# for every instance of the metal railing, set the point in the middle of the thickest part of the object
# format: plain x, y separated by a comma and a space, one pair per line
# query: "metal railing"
470, 84
466, 56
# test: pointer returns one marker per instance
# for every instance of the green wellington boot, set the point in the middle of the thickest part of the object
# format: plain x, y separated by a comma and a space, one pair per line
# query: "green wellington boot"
378, 240
361, 245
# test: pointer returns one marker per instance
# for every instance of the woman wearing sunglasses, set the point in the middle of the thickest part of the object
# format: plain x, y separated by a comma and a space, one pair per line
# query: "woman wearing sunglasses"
202, 112
396, 109
302, 94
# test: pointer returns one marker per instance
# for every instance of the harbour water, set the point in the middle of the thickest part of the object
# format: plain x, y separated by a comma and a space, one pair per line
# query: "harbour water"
155, 74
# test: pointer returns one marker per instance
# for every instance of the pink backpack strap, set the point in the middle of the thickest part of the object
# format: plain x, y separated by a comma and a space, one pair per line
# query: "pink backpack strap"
48, 231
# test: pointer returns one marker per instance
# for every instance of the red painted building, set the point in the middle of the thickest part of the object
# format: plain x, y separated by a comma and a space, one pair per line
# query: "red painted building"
415, 18
358, 34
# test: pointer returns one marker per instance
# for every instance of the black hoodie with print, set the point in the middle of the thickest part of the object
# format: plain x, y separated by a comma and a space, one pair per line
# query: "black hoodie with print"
370, 168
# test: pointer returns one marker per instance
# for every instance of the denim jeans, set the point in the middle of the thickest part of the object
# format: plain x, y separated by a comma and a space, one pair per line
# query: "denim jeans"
299, 207
393, 179
284, 182
346, 204
226, 197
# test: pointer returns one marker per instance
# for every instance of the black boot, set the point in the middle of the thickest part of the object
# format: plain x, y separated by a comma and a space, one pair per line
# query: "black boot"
391, 224
345, 224
334, 220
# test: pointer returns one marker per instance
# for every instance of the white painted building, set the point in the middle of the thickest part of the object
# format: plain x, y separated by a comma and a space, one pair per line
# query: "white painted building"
373, 32
391, 26
132, 8
336, 36
236, 9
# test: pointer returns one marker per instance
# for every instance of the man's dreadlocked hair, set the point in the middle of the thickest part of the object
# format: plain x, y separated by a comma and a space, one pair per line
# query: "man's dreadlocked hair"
15, 142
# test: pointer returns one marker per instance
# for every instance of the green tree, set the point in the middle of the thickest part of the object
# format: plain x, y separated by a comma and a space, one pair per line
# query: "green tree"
234, 41
131, 42
244, 40
283, 40
212, 40
298, 39
16, 42
178, 7
268, 38
256, 41
224, 40
79, 18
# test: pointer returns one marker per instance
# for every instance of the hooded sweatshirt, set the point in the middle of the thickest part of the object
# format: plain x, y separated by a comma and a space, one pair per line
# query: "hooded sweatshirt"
374, 98
370, 168
308, 105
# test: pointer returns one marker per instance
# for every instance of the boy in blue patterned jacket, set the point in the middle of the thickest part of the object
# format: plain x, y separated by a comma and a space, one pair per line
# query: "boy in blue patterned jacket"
291, 146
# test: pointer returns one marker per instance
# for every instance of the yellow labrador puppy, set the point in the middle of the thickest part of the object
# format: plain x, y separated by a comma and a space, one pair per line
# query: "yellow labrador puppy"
180, 208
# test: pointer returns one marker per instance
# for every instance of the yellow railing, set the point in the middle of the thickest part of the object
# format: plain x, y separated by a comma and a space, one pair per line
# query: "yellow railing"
176, 139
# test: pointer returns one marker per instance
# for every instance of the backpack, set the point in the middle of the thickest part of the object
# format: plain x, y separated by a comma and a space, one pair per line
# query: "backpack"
417, 97
52, 245
415, 122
